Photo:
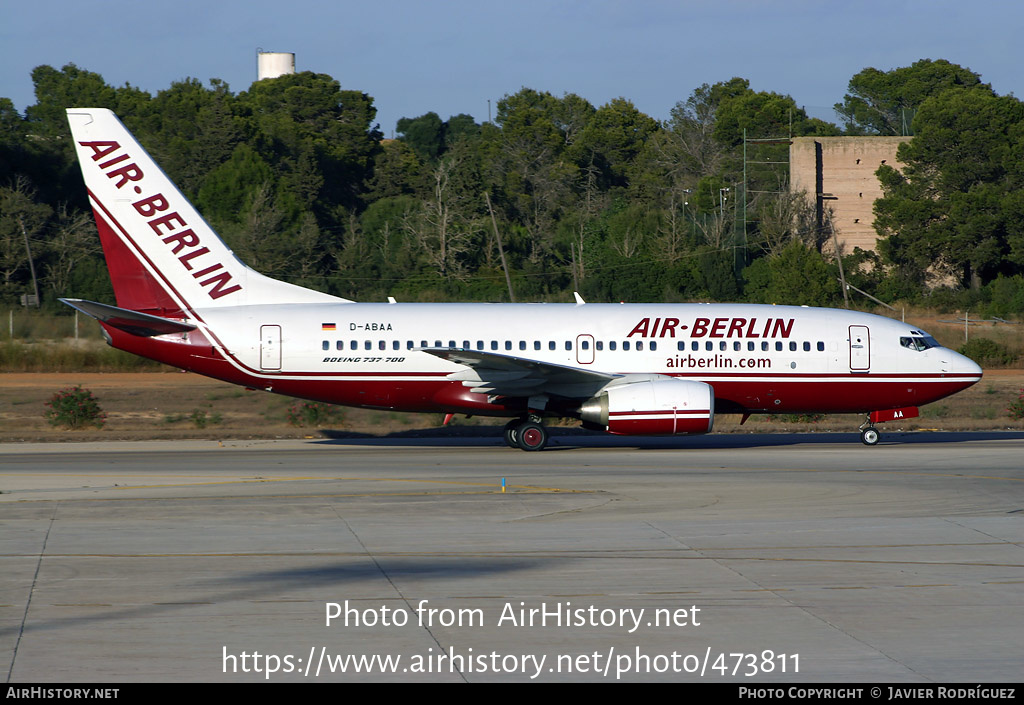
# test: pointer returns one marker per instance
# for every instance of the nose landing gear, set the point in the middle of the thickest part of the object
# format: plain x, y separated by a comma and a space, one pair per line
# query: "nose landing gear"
869, 435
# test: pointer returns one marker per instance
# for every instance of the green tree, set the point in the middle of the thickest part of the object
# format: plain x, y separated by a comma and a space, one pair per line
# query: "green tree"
884, 102
611, 140
22, 220
320, 140
425, 134
797, 275
191, 130
397, 170
950, 210
526, 161
226, 189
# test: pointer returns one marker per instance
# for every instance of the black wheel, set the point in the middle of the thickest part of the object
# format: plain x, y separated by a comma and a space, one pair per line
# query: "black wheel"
531, 436
870, 436
511, 437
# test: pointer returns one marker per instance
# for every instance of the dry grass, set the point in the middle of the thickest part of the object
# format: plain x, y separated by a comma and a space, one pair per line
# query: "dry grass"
179, 405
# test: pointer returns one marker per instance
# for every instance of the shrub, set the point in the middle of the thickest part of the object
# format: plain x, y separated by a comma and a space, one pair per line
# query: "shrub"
75, 408
1016, 408
987, 352
200, 419
313, 413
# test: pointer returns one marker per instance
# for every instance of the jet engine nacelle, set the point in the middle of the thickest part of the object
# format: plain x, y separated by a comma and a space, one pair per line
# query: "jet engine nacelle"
659, 406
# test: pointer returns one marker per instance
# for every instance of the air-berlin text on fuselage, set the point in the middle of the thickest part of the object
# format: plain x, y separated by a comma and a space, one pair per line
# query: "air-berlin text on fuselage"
170, 227
714, 328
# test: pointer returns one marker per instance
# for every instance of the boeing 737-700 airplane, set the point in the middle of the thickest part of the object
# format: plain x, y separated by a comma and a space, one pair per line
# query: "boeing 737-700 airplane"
185, 299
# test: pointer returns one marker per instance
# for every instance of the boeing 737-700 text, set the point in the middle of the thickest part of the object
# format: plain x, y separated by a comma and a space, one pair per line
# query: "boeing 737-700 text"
185, 299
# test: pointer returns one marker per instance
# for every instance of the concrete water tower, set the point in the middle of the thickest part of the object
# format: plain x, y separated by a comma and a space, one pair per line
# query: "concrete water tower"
271, 64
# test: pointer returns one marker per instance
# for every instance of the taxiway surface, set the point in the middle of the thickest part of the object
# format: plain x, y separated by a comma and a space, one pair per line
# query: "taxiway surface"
792, 558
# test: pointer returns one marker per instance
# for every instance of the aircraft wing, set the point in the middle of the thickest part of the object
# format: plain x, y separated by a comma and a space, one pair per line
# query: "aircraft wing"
512, 376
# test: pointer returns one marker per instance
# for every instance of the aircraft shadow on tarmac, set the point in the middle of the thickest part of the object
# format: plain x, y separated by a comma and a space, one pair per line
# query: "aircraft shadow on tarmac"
575, 439
262, 585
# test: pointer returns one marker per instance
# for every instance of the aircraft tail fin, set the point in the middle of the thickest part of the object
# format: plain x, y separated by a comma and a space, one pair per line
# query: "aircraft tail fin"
162, 256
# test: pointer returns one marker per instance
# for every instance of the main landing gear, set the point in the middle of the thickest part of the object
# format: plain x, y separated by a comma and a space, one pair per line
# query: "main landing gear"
526, 434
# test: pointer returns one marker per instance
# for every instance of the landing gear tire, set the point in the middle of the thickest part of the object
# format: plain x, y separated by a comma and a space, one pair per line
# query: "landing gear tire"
870, 436
531, 436
511, 436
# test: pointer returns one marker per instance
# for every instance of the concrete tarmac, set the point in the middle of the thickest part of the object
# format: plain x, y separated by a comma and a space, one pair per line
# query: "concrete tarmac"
754, 559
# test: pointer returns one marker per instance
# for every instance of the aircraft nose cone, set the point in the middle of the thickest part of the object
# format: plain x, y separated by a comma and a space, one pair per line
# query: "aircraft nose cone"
961, 364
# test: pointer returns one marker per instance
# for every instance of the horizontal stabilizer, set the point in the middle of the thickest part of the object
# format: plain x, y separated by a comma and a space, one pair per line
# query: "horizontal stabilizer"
134, 322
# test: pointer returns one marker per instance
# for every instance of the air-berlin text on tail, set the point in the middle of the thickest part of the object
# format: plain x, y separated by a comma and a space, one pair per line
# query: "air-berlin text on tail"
715, 328
170, 227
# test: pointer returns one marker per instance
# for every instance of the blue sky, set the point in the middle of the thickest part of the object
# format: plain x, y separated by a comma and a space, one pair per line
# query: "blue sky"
451, 56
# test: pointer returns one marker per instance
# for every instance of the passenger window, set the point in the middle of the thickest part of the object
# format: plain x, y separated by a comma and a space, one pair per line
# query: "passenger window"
451, 343
353, 345
494, 345
695, 346
612, 344
654, 345
709, 346
778, 346
423, 344
750, 346
736, 346
722, 345
382, 345
368, 345
764, 345
625, 345
585, 344
339, 345
409, 345
599, 345
821, 346
508, 344
568, 345
680, 346
807, 346
327, 345
536, 345
465, 344
479, 345
639, 345
397, 345
522, 345
551, 345
792, 346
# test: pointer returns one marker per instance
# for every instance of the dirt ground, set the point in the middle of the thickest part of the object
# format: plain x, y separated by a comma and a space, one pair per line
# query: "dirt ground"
181, 405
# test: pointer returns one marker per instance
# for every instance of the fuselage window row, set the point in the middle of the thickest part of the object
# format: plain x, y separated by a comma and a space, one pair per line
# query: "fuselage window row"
638, 345
737, 346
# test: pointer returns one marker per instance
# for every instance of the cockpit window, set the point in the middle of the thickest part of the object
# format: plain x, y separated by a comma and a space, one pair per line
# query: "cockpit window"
918, 342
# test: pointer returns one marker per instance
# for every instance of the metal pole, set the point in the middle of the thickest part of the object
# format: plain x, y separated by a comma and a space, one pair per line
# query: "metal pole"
744, 196
31, 264
839, 259
501, 249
